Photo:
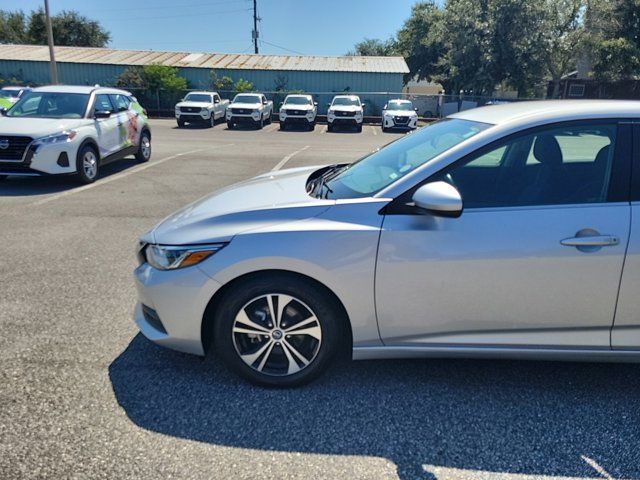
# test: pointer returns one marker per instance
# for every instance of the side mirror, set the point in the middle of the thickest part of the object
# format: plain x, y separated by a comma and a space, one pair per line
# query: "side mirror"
328, 105
415, 109
102, 114
315, 104
439, 198
364, 105
215, 100
3, 111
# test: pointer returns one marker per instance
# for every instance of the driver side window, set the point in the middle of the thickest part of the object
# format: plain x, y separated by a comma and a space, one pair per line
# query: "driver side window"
555, 166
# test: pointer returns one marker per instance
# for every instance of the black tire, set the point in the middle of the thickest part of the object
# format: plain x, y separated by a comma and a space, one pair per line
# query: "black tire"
359, 128
82, 174
312, 126
268, 122
384, 129
144, 149
329, 127
212, 120
230, 125
330, 320
180, 124
260, 124
283, 126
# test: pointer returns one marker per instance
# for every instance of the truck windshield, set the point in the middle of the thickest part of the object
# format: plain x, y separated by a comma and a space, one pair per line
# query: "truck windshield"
346, 101
297, 101
198, 97
400, 106
374, 172
50, 105
247, 99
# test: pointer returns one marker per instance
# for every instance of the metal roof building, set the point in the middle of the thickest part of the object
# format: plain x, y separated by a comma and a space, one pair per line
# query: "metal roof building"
88, 66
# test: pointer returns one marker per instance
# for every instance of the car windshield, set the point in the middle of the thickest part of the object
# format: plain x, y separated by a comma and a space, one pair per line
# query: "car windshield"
376, 171
400, 106
198, 97
346, 101
247, 99
5, 94
50, 105
297, 101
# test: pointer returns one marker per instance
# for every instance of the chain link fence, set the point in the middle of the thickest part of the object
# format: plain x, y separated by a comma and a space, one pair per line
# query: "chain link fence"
161, 103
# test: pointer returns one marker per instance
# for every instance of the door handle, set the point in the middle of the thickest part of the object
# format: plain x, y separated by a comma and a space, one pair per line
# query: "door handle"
591, 241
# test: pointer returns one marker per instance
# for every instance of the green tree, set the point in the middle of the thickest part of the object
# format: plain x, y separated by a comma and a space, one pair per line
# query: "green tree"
420, 41
242, 86
69, 29
13, 27
158, 85
374, 47
223, 84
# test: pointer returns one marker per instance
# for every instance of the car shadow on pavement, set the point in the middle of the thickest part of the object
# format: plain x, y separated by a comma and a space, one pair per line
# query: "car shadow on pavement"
536, 418
32, 186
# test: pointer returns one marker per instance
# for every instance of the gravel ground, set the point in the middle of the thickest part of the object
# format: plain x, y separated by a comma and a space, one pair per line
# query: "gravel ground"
83, 395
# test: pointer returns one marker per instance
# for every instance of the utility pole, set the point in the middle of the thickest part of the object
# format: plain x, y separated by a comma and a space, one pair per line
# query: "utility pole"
52, 55
254, 34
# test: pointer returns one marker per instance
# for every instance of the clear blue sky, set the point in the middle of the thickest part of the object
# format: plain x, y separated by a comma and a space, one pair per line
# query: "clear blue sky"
311, 27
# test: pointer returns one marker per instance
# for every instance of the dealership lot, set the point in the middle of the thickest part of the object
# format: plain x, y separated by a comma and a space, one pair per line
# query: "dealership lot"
84, 396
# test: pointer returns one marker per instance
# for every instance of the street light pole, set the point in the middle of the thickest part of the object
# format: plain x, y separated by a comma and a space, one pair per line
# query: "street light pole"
52, 56
254, 34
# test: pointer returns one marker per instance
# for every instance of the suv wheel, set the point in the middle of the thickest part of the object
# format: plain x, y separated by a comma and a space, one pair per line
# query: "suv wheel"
87, 164
277, 330
260, 123
212, 120
180, 124
144, 149
230, 125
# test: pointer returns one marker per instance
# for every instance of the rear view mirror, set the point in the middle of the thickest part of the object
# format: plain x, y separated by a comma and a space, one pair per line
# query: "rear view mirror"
102, 114
439, 198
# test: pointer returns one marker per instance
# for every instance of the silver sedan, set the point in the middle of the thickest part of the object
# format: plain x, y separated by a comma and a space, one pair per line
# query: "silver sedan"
503, 231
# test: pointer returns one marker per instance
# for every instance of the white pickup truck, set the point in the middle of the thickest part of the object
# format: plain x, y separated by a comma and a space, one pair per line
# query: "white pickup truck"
345, 110
200, 107
249, 108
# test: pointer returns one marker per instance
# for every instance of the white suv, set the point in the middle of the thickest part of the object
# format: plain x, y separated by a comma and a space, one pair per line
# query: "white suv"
72, 130
298, 110
345, 110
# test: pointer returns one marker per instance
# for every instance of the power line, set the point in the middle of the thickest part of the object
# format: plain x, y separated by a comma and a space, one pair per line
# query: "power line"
282, 48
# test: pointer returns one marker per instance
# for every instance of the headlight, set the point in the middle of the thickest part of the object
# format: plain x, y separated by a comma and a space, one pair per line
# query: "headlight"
331, 112
172, 257
65, 136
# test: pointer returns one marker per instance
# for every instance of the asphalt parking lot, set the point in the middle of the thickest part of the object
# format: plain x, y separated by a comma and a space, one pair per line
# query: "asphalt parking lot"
83, 395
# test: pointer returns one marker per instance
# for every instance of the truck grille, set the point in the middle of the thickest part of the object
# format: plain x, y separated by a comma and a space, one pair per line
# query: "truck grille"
296, 112
12, 148
398, 120
190, 109
241, 111
345, 114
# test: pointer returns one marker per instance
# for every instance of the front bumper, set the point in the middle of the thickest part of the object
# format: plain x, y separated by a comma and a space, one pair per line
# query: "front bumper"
193, 117
57, 159
179, 299
297, 120
243, 119
407, 123
344, 120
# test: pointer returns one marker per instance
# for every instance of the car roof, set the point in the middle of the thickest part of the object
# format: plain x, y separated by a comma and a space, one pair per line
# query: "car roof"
14, 87
79, 89
346, 96
399, 100
304, 95
550, 110
205, 92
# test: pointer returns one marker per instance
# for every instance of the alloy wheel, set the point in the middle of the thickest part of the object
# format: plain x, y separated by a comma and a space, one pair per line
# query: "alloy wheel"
90, 164
276, 334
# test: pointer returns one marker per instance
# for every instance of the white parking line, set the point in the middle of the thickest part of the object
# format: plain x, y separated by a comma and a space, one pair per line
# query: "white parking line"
287, 158
271, 128
323, 129
118, 176
373, 129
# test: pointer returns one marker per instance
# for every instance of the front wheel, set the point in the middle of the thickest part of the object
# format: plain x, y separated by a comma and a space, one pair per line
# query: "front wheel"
230, 125
180, 124
144, 149
260, 124
212, 120
87, 164
268, 122
359, 128
329, 127
278, 330
283, 126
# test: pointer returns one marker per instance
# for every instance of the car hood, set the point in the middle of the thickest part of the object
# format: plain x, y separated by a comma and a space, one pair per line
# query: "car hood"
246, 105
194, 104
38, 127
346, 108
401, 113
269, 199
